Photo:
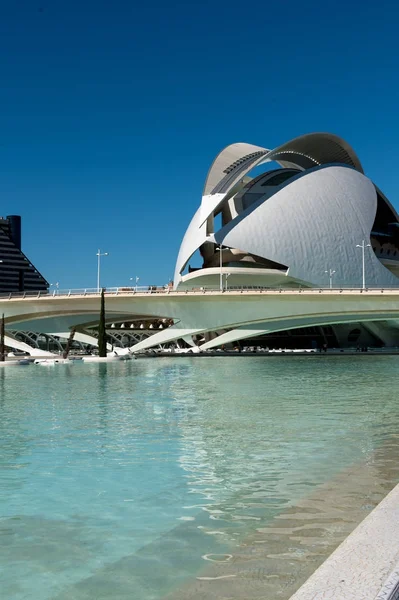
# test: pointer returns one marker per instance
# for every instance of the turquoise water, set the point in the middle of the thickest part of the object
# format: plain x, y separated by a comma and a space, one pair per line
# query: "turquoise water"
139, 479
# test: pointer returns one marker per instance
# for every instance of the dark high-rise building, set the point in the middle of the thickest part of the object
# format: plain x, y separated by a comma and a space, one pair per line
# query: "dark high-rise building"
17, 274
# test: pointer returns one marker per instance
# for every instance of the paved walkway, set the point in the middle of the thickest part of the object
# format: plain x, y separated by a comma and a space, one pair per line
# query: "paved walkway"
366, 565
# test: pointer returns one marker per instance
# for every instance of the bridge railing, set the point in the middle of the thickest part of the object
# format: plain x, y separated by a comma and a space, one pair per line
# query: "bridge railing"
84, 292
114, 291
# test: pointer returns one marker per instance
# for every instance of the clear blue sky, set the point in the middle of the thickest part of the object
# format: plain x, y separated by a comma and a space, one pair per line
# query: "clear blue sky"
112, 111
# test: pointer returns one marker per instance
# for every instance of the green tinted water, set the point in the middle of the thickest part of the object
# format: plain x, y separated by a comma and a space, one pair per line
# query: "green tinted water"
188, 478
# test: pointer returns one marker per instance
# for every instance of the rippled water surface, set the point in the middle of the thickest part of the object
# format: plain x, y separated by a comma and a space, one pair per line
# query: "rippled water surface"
188, 478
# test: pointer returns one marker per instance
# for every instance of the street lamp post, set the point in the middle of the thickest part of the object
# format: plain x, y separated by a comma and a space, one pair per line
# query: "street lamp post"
136, 279
56, 285
330, 273
221, 268
363, 246
99, 255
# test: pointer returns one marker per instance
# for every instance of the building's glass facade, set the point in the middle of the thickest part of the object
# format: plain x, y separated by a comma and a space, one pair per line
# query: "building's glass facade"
17, 274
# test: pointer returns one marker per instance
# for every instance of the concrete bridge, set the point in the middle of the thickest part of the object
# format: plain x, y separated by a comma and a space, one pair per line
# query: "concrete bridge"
245, 313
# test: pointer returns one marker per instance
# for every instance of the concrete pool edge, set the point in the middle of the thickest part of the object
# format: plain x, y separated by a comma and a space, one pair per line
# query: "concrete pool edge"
365, 566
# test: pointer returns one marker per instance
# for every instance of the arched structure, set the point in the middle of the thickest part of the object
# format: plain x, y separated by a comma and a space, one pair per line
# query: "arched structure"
288, 226
240, 315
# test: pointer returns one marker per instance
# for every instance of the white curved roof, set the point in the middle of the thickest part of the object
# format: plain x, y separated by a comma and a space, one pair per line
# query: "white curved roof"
314, 223
305, 151
193, 238
231, 161
234, 162
315, 149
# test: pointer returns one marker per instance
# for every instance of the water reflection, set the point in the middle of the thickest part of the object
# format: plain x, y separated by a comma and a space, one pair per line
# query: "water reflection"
2, 386
155, 464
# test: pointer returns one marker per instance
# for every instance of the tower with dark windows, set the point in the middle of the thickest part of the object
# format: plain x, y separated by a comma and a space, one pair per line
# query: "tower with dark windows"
17, 273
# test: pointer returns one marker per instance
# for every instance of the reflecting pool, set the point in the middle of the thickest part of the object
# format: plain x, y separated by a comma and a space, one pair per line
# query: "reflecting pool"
178, 478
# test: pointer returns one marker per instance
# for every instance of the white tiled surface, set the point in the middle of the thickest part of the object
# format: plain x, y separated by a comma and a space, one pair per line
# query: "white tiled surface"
366, 565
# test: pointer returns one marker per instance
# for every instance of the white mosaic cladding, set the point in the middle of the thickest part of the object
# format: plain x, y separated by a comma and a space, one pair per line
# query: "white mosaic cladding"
313, 223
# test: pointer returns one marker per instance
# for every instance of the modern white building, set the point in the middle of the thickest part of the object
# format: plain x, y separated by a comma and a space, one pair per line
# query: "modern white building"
271, 225
301, 215
290, 217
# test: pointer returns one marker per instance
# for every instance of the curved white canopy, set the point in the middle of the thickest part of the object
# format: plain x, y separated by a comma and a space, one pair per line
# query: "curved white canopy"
305, 151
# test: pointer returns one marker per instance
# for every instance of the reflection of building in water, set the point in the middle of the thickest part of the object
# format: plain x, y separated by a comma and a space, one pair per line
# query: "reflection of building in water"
247, 454
197, 457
